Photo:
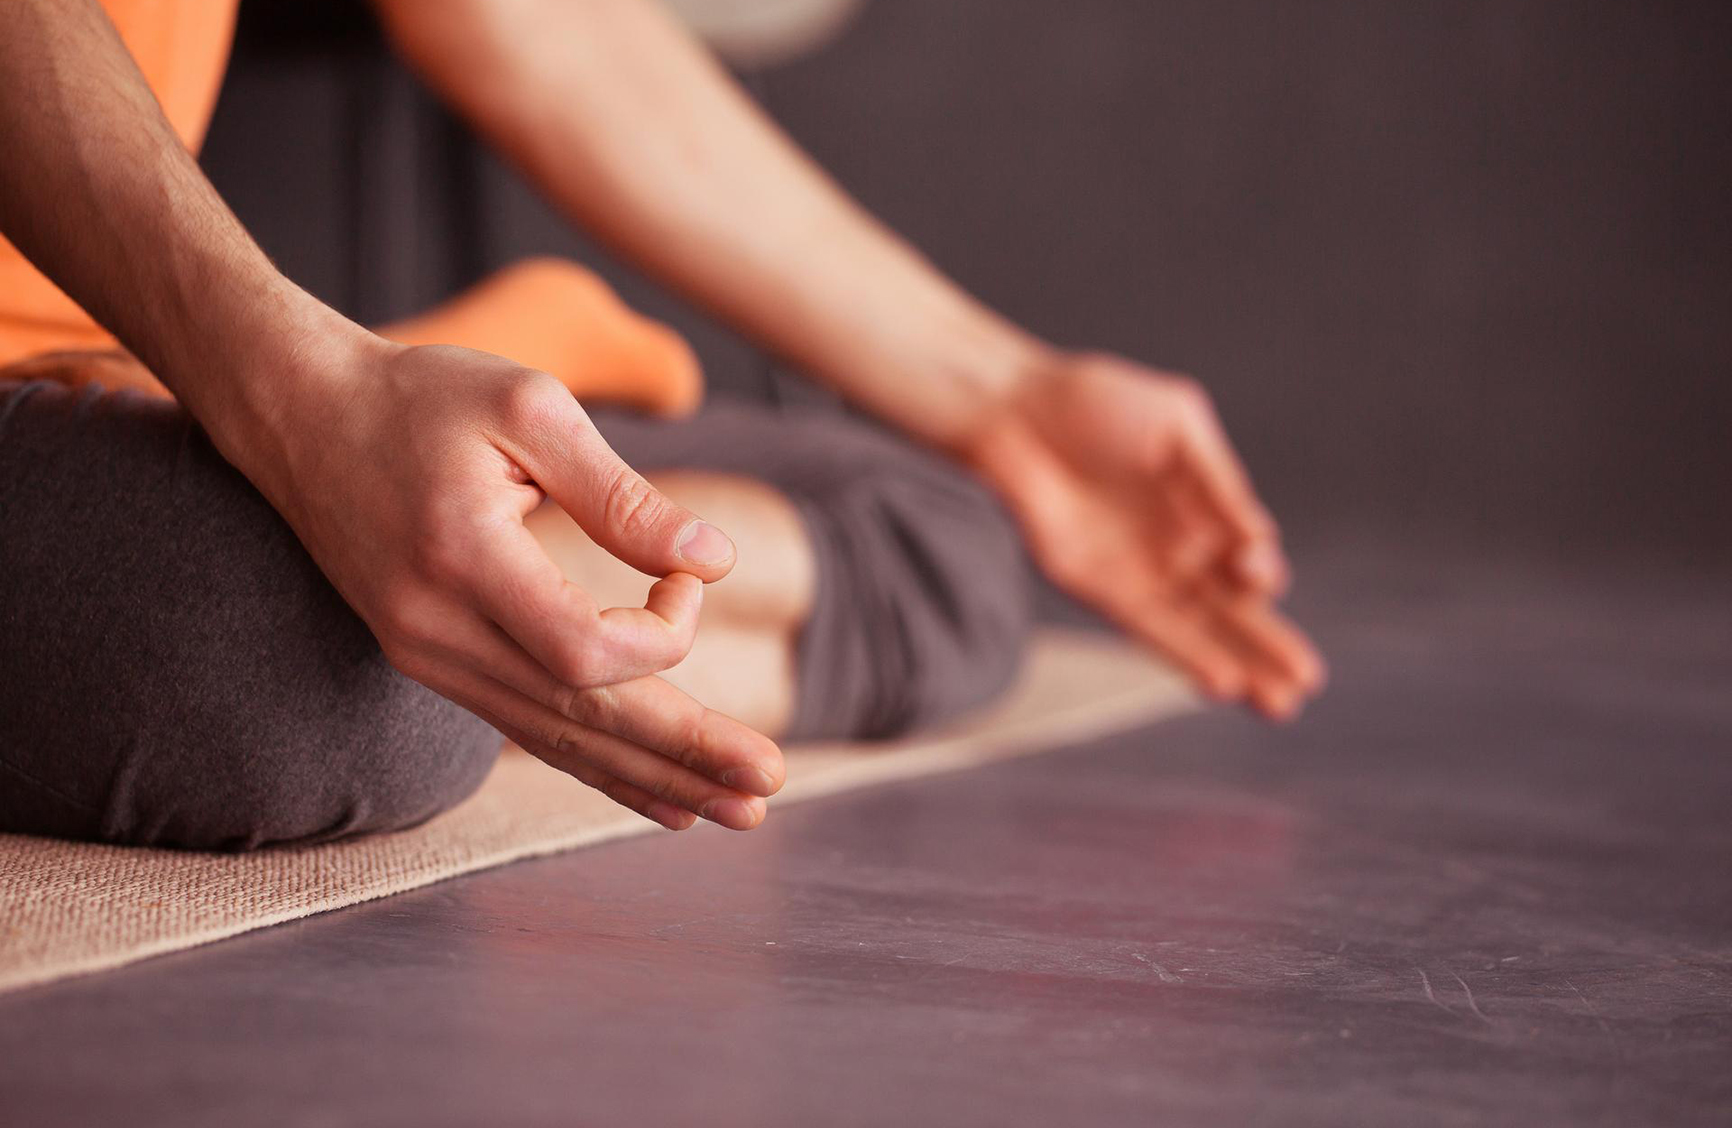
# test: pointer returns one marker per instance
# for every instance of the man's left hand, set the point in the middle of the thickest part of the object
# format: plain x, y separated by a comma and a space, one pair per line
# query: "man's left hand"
1132, 499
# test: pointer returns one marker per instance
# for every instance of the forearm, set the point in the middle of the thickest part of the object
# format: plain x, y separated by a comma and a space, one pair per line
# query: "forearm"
99, 193
631, 127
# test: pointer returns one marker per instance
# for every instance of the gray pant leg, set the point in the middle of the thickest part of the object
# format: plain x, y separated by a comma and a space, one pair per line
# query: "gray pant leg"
923, 597
177, 670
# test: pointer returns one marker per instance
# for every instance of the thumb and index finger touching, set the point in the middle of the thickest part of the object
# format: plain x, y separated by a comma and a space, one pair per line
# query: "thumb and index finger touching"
613, 503
1224, 487
558, 622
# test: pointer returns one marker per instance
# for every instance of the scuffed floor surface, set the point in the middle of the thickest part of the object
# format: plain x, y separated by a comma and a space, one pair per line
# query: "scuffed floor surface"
1488, 880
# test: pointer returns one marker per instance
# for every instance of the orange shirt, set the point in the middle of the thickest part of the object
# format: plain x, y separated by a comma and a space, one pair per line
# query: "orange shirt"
182, 46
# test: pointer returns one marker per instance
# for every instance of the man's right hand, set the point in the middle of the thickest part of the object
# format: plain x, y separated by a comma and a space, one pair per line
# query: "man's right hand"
407, 472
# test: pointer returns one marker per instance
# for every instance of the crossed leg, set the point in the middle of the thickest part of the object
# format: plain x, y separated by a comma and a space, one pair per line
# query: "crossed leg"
180, 673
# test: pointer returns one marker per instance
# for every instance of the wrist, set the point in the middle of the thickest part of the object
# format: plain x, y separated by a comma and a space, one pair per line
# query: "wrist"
265, 391
985, 366
999, 369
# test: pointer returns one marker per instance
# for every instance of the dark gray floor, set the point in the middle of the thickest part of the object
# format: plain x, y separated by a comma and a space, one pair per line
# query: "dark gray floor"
1489, 880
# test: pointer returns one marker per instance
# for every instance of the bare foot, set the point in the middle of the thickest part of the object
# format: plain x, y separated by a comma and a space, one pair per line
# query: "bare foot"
555, 315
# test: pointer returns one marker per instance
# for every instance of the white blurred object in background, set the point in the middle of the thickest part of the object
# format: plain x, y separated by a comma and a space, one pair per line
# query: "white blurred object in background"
765, 32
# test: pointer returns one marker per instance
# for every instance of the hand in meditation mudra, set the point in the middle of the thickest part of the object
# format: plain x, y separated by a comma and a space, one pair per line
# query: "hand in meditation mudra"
360, 517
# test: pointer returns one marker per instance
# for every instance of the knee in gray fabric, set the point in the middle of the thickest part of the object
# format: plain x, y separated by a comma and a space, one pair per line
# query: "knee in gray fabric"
287, 726
178, 670
258, 745
253, 743
923, 602
384, 754
414, 758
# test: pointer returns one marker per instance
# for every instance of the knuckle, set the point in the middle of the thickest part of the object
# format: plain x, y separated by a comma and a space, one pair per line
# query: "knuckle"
632, 505
567, 740
580, 664
664, 786
568, 702
437, 554
592, 708
529, 398
690, 736
403, 620
614, 789
405, 661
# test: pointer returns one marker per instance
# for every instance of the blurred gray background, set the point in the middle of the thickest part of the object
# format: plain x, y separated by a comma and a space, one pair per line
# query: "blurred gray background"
1460, 275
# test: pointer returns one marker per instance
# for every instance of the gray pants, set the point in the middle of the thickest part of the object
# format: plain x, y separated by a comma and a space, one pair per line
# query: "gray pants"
175, 670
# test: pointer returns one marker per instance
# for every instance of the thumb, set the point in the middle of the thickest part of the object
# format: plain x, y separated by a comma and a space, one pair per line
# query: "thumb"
613, 503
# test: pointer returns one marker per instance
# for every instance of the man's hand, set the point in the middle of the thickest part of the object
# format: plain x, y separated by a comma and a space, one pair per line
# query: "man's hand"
1133, 500
407, 473
1128, 492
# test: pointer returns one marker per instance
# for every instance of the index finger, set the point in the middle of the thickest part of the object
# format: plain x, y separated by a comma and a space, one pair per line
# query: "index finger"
521, 589
560, 448
1223, 487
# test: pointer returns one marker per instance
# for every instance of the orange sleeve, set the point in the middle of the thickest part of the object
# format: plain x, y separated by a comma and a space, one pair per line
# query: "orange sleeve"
182, 47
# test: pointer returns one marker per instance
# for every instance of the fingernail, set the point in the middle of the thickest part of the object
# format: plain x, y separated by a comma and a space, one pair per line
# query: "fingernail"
753, 780
703, 543
735, 814
670, 816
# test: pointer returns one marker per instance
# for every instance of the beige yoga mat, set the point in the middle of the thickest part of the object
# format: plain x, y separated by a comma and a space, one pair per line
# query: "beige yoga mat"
67, 908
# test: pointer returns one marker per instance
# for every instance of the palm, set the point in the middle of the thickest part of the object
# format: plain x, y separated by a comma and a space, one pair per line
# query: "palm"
1132, 501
